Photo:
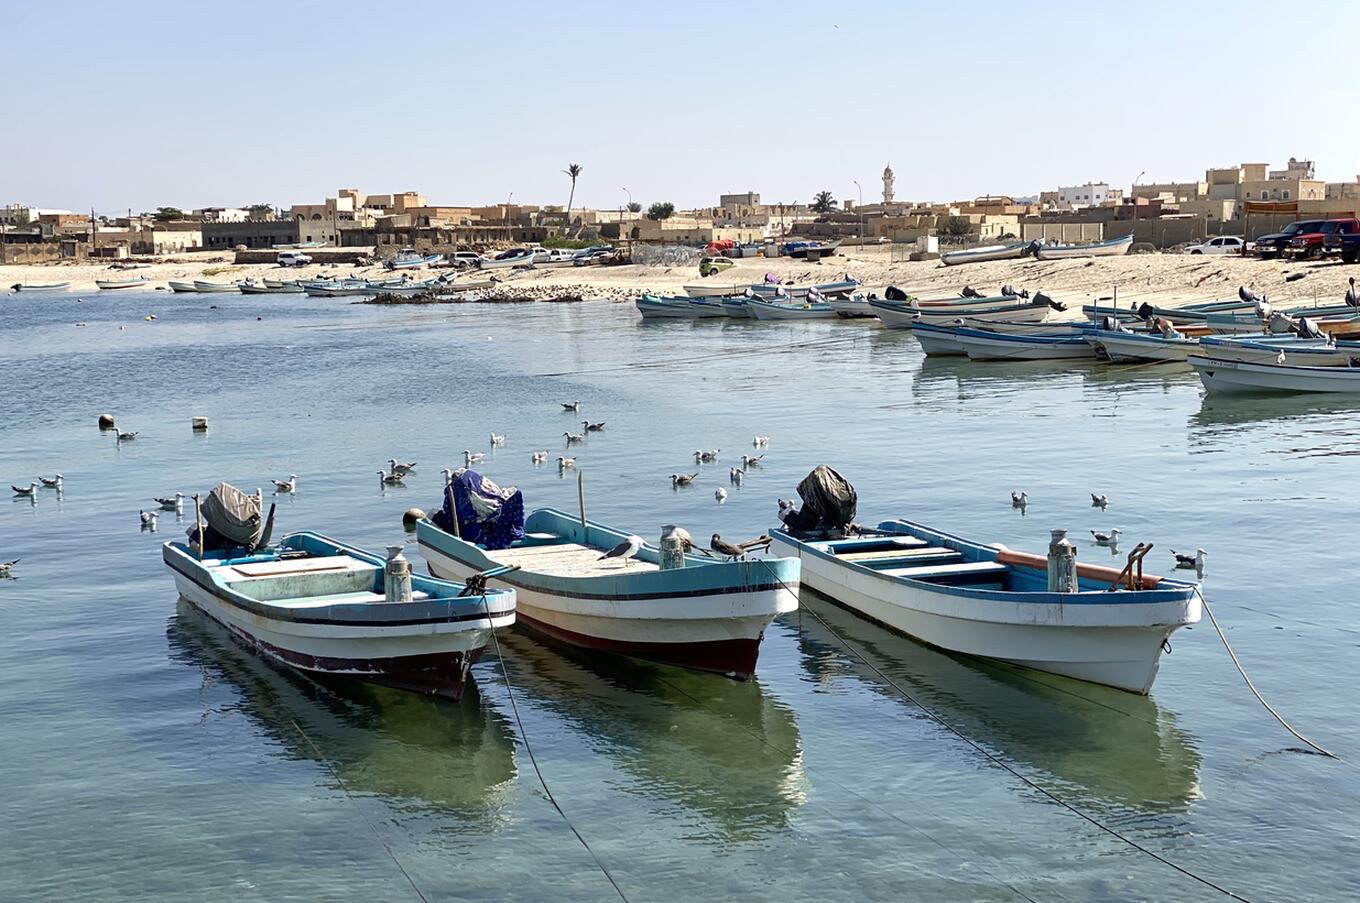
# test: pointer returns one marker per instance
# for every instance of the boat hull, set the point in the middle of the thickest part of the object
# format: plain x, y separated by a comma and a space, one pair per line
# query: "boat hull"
1101, 643
1113, 247
769, 310
1122, 346
901, 315
982, 346
714, 291
1247, 378
49, 287
109, 286
654, 308
979, 255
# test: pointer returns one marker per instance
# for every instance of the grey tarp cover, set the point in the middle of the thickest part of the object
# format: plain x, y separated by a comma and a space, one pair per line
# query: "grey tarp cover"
233, 514
829, 502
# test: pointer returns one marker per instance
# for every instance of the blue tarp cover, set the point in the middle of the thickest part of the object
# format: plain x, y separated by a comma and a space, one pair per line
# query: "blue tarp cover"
488, 515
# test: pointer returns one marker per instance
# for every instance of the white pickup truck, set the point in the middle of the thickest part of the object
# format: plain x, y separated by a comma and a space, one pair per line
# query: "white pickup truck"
293, 259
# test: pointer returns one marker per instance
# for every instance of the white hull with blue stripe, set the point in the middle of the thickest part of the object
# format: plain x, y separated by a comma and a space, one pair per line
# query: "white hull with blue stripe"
1141, 346
784, 310
1112, 247
658, 307
981, 345
993, 602
1245, 377
902, 315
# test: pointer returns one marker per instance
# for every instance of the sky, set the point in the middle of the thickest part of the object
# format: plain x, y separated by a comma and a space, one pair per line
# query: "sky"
145, 104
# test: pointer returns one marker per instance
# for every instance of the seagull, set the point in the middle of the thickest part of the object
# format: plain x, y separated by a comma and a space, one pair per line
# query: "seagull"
592, 427
171, 503
399, 468
706, 457
564, 463
736, 474
6, 567
1195, 561
127, 437
760, 442
471, 458
497, 439
1352, 297
720, 494
1099, 501
725, 548
571, 405
389, 479
148, 518
751, 460
448, 476
23, 492
682, 479
290, 484
540, 456
1019, 499
575, 438
624, 550
1280, 358
1107, 539
54, 483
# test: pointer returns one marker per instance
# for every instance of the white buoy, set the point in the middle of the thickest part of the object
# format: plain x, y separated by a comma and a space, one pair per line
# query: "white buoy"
398, 582
1062, 564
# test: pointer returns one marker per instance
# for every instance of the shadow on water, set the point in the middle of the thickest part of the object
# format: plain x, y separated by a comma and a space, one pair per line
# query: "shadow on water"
1116, 748
721, 749
414, 750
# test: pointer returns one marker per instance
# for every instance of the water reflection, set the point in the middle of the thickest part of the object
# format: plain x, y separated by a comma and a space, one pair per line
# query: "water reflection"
1120, 748
1250, 410
719, 748
414, 750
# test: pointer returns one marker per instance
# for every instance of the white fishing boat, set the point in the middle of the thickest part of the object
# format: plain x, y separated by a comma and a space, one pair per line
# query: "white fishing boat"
1266, 349
1123, 345
853, 307
184, 287
271, 287
40, 287
1243, 377
202, 285
659, 307
937, 340
761, 309
902, 315
109, 285
987, 252
707, 615
993, 602
1111, 247
773, 290
981, 345
715, 291
515, 257
338, 291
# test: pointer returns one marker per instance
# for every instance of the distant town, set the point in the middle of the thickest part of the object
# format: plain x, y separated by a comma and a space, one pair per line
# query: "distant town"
1245, 200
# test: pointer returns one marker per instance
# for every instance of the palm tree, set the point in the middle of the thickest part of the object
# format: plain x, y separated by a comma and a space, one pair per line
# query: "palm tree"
823, 202
573, 170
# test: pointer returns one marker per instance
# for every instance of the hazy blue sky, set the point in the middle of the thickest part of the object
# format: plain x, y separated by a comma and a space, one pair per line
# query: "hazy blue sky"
140, 104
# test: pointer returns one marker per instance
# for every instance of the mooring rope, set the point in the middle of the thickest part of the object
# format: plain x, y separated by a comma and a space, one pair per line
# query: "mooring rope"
1006, 766
1251, 686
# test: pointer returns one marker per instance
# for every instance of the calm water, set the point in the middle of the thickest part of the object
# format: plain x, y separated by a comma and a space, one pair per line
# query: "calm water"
144, 754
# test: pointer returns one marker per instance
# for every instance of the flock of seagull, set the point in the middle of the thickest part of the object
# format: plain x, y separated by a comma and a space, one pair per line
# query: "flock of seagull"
1110, 538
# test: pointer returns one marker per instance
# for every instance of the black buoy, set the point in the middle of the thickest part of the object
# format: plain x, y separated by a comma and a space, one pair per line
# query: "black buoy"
106, 422
411, 516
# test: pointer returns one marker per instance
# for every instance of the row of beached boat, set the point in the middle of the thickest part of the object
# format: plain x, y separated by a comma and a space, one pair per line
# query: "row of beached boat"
1112, 247
329, 608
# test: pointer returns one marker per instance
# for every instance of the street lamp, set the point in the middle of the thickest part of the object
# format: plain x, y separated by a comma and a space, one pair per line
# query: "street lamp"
860, 188
508, 198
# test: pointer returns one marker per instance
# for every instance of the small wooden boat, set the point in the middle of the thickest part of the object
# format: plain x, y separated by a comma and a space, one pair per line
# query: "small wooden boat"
109, 285
1124, 345
1243, 377
659, 307
812, 250
708, 615
938, 339
715, 291
854, 307
959, 305
409, 258
770, 290
41, 287
508, 260
735, 307
451, 287
202, 285
185, 287
981, 345
321, 606
779, 310
990, 601
902, 315
271, 287
1111, 247
987, 252
1266, 349
338, 291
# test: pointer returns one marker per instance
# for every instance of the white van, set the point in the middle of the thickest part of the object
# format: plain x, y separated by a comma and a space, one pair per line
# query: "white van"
293, 259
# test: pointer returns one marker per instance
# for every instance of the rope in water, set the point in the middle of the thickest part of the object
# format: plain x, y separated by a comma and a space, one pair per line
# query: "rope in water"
1004, 765
528, 748
372, 827
1251, 686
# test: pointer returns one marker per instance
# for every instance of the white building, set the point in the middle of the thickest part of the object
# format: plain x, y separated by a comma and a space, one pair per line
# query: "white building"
1091, 194
222, 214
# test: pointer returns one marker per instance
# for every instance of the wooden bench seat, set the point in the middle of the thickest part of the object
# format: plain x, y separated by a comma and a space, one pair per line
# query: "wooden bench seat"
967, 569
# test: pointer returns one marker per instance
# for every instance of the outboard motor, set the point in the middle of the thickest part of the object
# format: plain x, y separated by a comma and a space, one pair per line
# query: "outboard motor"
1032, 249
893, 293
1248, 296
970, 292
1041, 298
1352, 297
1309, 330
1146, 311
1280, 324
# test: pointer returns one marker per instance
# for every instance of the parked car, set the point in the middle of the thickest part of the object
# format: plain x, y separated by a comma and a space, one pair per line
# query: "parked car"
1347, 244
1277, 243
462, 259
1224, 244
293, 259
592, 255
1313, 242
710, 265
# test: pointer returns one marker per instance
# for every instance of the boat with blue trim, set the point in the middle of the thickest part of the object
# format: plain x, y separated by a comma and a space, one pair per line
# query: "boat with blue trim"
708, 614
807, 309
985, 345
679, 307
1110, 247
993, 602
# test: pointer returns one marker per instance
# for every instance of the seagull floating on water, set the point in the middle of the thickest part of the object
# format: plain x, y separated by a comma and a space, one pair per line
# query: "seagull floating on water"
497, 439
540, 456
571, 405
706, 457
1195, 561
171, 503
471, 458
682, 479
148, 518
399, 468
564, 463
54, 483
1099, 501
624, 550
575, 438
389, 479
720, 494
1107, 539
288, 485
25, 492
592, 427
736, 475
1019, 499
760, 442
751, 460
7, 569
127, 437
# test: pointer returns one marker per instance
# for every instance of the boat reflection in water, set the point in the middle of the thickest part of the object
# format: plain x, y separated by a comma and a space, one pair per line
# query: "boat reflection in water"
721, 749
1254, 410
416, 751
1120, 748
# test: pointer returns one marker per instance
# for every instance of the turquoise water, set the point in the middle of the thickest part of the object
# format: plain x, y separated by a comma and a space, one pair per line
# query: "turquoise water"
144, 754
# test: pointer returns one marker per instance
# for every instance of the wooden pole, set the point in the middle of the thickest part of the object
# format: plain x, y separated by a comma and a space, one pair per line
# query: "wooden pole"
198, 525
581, 500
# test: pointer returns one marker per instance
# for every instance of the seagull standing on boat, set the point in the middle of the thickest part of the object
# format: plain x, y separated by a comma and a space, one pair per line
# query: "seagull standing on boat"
389, 479
1107, 539
1195, 561
625, 550
1279, 359
1099, 501
575, 438
497, 439
725, 548
720, 494
592, 427
471, 458
54, 483
682, 479
1019, 499
786, 510
148, 518
448, 476
571, 405
288, 485
399, 468
171, 503
30, 491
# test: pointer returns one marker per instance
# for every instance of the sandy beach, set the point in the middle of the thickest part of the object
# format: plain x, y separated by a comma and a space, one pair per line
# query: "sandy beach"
1169, 280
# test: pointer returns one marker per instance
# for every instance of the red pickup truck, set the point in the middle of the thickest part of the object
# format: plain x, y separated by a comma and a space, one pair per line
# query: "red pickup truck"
1314, 243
